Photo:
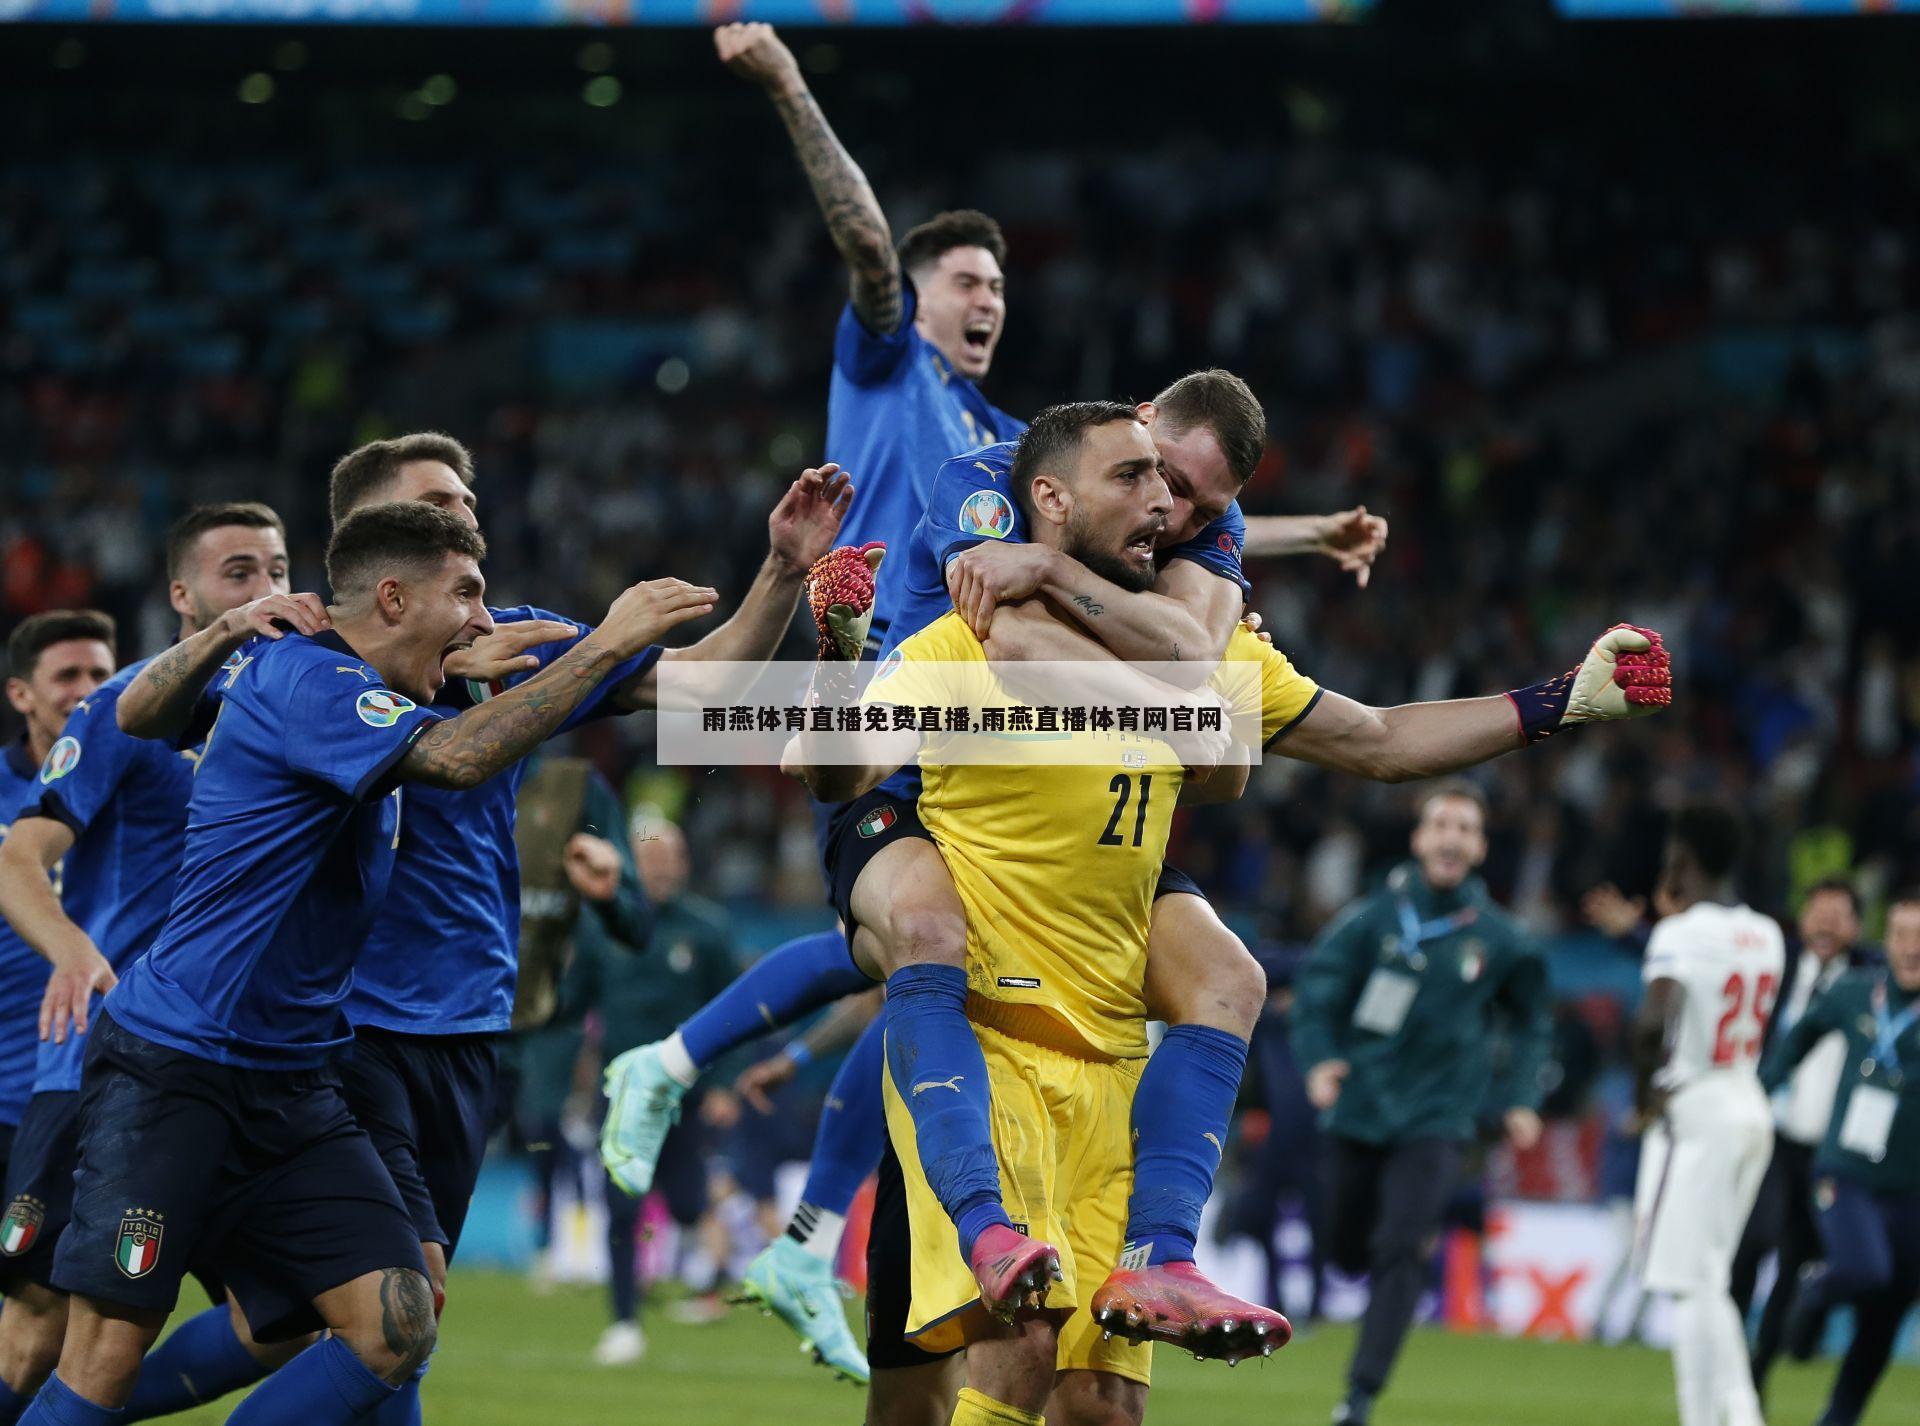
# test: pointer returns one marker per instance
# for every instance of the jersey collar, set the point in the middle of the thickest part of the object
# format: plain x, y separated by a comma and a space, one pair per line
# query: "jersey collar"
20, 758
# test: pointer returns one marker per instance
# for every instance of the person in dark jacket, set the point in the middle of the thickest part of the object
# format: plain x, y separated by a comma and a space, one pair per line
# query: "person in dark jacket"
1828, 945
1866, 1172
1396, 1008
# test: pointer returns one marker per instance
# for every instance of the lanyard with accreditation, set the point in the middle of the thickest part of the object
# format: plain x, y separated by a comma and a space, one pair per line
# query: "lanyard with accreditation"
1871, 1107
1390, 990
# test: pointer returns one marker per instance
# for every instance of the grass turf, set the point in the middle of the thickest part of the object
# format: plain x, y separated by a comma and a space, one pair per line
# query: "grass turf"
509, 1358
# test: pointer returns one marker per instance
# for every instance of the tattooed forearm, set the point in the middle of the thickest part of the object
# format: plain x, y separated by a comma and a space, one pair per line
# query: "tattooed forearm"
1092, 608
464, 752
406, 1321
854, 219
159, 702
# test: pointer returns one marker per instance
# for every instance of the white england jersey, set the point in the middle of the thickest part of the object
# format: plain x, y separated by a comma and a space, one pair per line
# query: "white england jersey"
1729, 960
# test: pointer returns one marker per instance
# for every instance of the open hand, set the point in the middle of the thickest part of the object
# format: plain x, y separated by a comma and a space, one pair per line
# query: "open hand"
1353, 539
804, 523
645, 612
504, 651
69, 988
305, 613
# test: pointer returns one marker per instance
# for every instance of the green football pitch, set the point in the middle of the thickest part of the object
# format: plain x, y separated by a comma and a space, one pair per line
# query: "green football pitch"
509, 1358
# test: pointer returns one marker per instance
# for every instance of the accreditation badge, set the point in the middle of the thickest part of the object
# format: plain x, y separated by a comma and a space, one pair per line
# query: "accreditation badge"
1868, 1121
1384, 1002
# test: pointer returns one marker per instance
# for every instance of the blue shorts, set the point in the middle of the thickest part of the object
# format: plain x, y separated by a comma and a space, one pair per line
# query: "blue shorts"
39, 1187
260, 1174
857, 833
427, 1102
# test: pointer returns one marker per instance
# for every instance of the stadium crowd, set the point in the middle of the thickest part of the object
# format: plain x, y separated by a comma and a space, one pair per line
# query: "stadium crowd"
1571, 406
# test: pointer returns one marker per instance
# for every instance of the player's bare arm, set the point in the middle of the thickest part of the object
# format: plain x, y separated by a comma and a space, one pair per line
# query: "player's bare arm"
1188, 614
1031, 632
799, 531
1190, 611
1650, 1039
1353, 539
465, 751
31, 849
854, 220
159, 703
1626, 674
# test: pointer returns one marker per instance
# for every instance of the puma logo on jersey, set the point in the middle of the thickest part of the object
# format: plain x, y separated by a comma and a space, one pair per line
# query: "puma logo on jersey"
1214, 1140
925, 1085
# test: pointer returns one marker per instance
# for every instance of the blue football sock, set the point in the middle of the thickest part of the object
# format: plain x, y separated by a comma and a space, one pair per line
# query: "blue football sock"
11, 1404
403, 1407
1180, 1116
201, 1361
326, 1385
846, 1145
787, 982
941, 1075
60, 1405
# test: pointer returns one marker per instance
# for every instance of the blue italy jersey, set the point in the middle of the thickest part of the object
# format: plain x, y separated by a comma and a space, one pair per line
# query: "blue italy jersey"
23, 975
125, 799
444, 950
972, 501
291, 833
895, 411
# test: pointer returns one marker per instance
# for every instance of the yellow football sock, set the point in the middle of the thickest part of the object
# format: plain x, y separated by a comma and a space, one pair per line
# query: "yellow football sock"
978, 1409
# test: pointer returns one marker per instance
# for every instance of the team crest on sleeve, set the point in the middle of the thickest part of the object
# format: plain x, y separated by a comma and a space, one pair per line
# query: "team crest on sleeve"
138, 1247
62, 758
381, 707
21, 1226
987, 513
877, 821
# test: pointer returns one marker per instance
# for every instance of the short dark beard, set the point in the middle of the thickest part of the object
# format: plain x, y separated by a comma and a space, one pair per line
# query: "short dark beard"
1107, 564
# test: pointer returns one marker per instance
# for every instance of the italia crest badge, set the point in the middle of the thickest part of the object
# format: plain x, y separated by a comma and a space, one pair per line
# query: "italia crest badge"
21, 1226
877, 821
138, 1247
1473, 960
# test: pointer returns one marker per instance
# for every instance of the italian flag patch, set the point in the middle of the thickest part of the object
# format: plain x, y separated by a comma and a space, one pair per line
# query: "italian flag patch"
877, 821
20, 1227
138, 1248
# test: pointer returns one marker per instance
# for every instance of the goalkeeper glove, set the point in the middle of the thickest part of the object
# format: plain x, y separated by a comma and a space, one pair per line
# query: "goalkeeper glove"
840, 589
1626, 674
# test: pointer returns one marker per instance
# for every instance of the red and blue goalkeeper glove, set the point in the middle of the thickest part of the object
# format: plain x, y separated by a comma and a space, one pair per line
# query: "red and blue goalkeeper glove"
840, 593
1626, 674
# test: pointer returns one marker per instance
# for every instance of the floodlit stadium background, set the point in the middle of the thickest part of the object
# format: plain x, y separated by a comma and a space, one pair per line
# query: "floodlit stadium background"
1610, 319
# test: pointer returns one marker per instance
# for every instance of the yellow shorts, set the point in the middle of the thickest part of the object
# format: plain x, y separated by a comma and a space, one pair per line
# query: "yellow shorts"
1062, 1132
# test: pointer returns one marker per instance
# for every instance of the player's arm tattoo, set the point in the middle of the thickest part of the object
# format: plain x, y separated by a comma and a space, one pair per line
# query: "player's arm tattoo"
464, 752
406, 1320
858, 227
160, 701
1092, 608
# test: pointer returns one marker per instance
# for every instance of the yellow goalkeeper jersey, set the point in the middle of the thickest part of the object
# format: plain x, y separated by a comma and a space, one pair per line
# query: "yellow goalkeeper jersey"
1056, 862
